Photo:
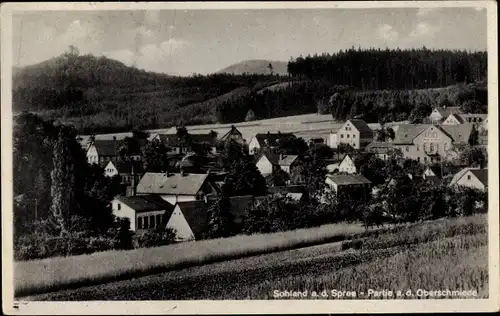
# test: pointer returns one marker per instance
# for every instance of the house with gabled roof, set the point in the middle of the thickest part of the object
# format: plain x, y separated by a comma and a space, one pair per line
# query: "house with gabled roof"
345, 181
233, 135
176, 187
180, 145
430, 143
460, 118
440, 113
101, 151
471, 177
267, 140
269, 162
296, 192
189, 220
146, 212
354, 132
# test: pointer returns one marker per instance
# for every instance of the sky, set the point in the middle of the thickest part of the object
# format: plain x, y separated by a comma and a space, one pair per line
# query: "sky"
183, 42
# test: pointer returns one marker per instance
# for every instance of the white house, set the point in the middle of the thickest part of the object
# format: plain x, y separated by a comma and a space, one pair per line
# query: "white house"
176, 187
189, 219
471, 177
354, 132
269, 162
266, 140
145, 212
347, 165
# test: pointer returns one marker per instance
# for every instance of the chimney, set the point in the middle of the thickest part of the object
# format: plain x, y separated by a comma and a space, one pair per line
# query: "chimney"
114, 138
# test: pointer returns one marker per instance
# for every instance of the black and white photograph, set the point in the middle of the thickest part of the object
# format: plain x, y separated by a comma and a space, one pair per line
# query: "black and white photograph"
339, 156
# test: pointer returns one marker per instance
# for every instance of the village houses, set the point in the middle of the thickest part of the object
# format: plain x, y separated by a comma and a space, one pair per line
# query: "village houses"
130, 173
429, 143
440, 113
269, 163
266, 140
354, 132
179, 145
381, 149
338, 182
101, 151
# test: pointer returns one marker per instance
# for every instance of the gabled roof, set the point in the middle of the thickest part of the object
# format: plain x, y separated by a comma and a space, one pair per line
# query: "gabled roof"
446, 111
407, 132
364, 130
106, 147
459, 133
348, 179
433, 179
480, 174
161, 183
126, 166
195, 213
277, 160
146, 203
272, 139
457, 117
436, 169
232, 131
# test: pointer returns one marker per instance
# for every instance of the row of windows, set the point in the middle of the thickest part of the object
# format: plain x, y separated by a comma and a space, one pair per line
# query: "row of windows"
428, 147
348, 135
108, 158
151, 221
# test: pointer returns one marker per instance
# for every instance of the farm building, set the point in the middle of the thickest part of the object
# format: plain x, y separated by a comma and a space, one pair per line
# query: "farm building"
267, 140
344, 181
145, 212
176, 187
269, 162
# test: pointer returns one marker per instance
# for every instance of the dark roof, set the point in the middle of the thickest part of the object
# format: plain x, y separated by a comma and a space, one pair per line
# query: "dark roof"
161, 183
364, 130
195, 213
126, 166
232, 131
106, 147
175, 141
433, 179
146, 203
347, 179
272, 139
287, 189
481, 175
459, 133
407, 132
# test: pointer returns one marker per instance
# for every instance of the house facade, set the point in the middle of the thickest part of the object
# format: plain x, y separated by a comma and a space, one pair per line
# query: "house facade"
354, 132
381, 149
347, 165
146, 212
176, 187
269, 163
429, 143
102, 151
473, 118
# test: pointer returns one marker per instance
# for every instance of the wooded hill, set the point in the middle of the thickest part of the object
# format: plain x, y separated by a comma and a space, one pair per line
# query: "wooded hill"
98, 94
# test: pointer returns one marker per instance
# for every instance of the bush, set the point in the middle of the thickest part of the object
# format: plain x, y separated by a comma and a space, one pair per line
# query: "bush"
148, 239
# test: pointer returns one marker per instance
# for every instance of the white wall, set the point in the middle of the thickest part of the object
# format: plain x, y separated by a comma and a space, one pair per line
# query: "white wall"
470, 180
347, 165
451, 120
252, 145
331, 184
172, 199
124, 212
264, 165
92, 156
332, 141
178, 222
110, 170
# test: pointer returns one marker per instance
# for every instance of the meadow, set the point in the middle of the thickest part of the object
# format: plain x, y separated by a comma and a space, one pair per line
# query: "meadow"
434, 255
57, 273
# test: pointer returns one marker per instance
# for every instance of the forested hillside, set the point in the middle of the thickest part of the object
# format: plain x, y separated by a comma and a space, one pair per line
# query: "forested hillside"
97, 94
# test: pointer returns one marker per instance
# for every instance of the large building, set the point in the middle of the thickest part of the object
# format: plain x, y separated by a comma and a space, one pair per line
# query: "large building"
102, 151
440, 113
429, 143
176, 187
354, 132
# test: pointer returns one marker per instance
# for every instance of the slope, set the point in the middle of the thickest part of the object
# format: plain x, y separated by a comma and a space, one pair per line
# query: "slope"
256, 66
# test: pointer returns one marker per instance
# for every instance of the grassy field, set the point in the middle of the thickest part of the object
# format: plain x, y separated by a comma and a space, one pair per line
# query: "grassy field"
437, 255
56, 273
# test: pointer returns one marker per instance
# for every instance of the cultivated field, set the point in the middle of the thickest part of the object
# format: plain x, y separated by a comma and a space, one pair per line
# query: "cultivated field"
435, 255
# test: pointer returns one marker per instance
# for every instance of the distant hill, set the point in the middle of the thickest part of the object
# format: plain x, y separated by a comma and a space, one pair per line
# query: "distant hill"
256, 66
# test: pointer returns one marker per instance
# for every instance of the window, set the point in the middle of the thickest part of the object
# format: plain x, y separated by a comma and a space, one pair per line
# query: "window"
139, 223
468, 177
146, 222
348, 135
341, 135
431, 146
418, 159
158, 219
437, 147
119, 206
353, 136
152, 221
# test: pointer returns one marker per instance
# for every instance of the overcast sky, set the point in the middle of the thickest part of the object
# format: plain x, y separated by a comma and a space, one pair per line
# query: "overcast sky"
183, 42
